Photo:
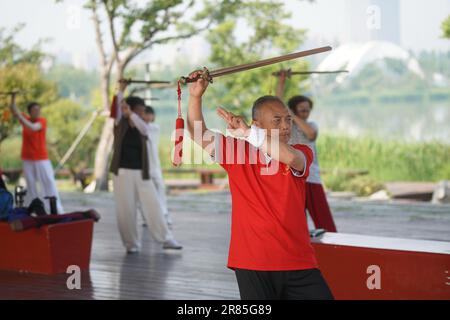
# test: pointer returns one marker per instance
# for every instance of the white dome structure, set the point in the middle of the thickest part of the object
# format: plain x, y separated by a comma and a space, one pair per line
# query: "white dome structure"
354, 56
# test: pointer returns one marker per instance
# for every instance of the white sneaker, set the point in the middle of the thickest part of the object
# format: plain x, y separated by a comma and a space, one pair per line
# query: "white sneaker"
132, 250
172, 244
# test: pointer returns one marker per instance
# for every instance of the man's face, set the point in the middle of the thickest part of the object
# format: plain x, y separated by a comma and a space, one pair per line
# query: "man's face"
140, 111
276, 119
149, 117
303, 110
35, 112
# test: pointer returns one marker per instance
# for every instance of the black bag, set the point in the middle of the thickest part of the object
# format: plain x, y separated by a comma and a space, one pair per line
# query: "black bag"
36, 207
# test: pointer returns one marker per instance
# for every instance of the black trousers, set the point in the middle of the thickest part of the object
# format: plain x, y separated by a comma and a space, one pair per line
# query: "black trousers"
286, 285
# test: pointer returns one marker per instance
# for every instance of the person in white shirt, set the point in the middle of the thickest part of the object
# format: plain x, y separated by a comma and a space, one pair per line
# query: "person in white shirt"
155, 164
132, 179
306, 132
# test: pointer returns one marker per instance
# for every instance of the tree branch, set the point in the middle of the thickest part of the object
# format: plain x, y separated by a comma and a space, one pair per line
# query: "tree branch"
111, 13
98, 33
138, 50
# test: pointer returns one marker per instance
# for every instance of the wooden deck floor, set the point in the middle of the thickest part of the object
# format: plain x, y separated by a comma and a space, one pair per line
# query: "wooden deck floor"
198, 271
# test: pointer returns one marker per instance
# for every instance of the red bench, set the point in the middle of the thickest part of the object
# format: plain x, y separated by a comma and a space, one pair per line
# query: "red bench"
406, 268
50, 249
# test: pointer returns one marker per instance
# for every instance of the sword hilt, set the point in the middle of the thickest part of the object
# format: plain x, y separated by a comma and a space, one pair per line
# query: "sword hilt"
205, 76
130, 81
287, 72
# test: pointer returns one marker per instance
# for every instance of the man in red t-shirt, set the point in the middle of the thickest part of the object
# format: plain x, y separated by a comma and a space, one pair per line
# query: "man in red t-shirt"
270, 249
36, 165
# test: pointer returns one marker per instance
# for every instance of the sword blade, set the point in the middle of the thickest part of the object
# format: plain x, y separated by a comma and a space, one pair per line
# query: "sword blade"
147, 81
258, 64
318, 72
266, 62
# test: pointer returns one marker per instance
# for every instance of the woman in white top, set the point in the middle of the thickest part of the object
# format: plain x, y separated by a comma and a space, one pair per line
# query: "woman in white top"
306, 132
155, 165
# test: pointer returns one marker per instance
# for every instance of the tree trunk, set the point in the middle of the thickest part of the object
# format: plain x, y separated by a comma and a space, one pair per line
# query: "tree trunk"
106, 140
103, 152
104, 148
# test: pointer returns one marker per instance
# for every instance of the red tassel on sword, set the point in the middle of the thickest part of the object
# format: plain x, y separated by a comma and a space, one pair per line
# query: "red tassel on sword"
179, 133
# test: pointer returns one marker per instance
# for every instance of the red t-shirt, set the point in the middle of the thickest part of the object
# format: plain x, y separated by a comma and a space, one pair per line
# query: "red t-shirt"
268, 225
33, 142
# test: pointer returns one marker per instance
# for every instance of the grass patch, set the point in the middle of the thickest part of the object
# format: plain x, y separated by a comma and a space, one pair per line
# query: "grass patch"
385, 161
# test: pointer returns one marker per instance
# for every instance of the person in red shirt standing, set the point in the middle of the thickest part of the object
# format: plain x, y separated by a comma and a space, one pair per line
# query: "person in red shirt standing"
306, 132
36, 165
270, 249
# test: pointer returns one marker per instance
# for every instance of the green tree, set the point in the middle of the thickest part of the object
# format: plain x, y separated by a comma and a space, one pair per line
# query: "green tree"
73, 83
129, 28
65, 120
269, 36
446, 28
13, 54
20, 70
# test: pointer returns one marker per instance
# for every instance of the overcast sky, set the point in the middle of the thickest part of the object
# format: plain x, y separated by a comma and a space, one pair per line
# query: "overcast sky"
71, 31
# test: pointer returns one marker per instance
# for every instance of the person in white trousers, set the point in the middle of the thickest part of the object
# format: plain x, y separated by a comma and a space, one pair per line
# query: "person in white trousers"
37, 168
153, 131
132, 181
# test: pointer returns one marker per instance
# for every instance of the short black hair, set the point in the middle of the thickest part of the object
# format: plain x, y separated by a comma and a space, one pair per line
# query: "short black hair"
134, 102
31, 105
261, 101
149, 110
295, 100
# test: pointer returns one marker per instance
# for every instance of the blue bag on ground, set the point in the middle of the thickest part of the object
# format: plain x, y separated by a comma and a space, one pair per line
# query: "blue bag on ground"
6, 203
17, 214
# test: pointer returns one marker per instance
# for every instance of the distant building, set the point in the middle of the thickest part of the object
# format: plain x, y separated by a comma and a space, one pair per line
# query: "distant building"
355, 56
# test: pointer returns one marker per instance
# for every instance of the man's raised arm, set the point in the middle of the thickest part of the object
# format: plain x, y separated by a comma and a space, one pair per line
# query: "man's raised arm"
34, 126
195, 122
116, 110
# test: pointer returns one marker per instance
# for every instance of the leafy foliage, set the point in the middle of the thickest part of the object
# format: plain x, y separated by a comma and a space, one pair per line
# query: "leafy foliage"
73, 83
28, 78
65, 120
20, 70
13, 54
269, 36
446, 28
